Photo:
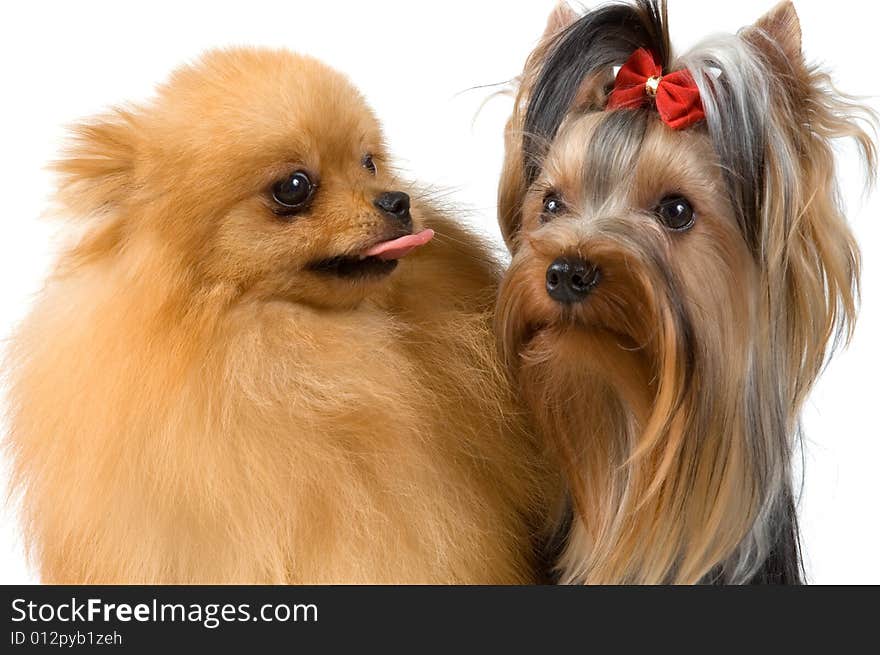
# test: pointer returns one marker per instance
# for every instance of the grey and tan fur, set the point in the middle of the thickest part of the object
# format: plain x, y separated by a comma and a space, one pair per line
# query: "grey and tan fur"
671, 393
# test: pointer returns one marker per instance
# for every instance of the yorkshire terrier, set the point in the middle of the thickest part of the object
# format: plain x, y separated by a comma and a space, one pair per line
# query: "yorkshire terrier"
265, 358
681, 270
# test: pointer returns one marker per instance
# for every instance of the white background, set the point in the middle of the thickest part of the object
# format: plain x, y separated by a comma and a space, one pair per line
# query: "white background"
416, 61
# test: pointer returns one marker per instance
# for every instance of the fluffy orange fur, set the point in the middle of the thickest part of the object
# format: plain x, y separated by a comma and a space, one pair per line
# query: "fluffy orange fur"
191, 403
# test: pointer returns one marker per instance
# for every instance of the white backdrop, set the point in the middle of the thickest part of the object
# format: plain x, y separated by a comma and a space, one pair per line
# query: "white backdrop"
416, 63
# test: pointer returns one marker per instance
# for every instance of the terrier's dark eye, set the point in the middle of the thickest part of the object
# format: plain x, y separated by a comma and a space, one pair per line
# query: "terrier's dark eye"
293, 193
676, 213
368, 163
552, 206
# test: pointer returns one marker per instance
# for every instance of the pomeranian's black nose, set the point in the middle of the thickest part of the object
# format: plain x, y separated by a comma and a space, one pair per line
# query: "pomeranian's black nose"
395, 204
570, 279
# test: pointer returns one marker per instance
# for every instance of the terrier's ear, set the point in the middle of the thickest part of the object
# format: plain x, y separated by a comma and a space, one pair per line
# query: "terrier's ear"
97, 173
561, 17
512, 187
779, 28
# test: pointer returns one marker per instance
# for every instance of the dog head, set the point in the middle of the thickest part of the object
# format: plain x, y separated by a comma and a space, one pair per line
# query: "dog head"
258, 170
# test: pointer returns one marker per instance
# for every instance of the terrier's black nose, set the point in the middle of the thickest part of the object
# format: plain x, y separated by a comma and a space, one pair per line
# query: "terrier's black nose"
570, 279
395, 204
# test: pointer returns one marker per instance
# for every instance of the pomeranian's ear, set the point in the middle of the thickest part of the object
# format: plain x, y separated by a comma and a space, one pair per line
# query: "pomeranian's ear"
778, 33
97, 171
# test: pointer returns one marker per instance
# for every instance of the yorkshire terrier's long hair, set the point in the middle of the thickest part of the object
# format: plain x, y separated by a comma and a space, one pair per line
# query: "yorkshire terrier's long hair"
673, 294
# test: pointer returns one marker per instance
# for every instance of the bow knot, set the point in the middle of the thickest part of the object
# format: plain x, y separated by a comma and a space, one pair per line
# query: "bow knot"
675, 95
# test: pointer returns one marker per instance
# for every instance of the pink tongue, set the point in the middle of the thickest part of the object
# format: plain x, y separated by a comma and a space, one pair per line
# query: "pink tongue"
397, 248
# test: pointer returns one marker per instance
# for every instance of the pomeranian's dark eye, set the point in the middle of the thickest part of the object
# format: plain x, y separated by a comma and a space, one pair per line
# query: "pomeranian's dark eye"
552, 206
368, 163
293, 192
676, 213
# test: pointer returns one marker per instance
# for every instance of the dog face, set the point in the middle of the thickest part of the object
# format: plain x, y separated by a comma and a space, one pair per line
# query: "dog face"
259, 170
626, 233
673, 293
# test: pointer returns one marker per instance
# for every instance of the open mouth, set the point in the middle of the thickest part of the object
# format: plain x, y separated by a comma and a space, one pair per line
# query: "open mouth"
379, 259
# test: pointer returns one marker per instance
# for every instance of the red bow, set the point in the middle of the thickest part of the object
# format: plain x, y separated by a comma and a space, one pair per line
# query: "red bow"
676, 95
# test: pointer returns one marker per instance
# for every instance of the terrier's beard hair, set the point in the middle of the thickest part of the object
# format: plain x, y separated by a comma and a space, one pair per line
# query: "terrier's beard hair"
620, 389
673, 410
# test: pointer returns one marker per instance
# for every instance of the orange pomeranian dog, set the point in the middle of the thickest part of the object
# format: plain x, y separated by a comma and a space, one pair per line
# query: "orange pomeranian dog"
233, 376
